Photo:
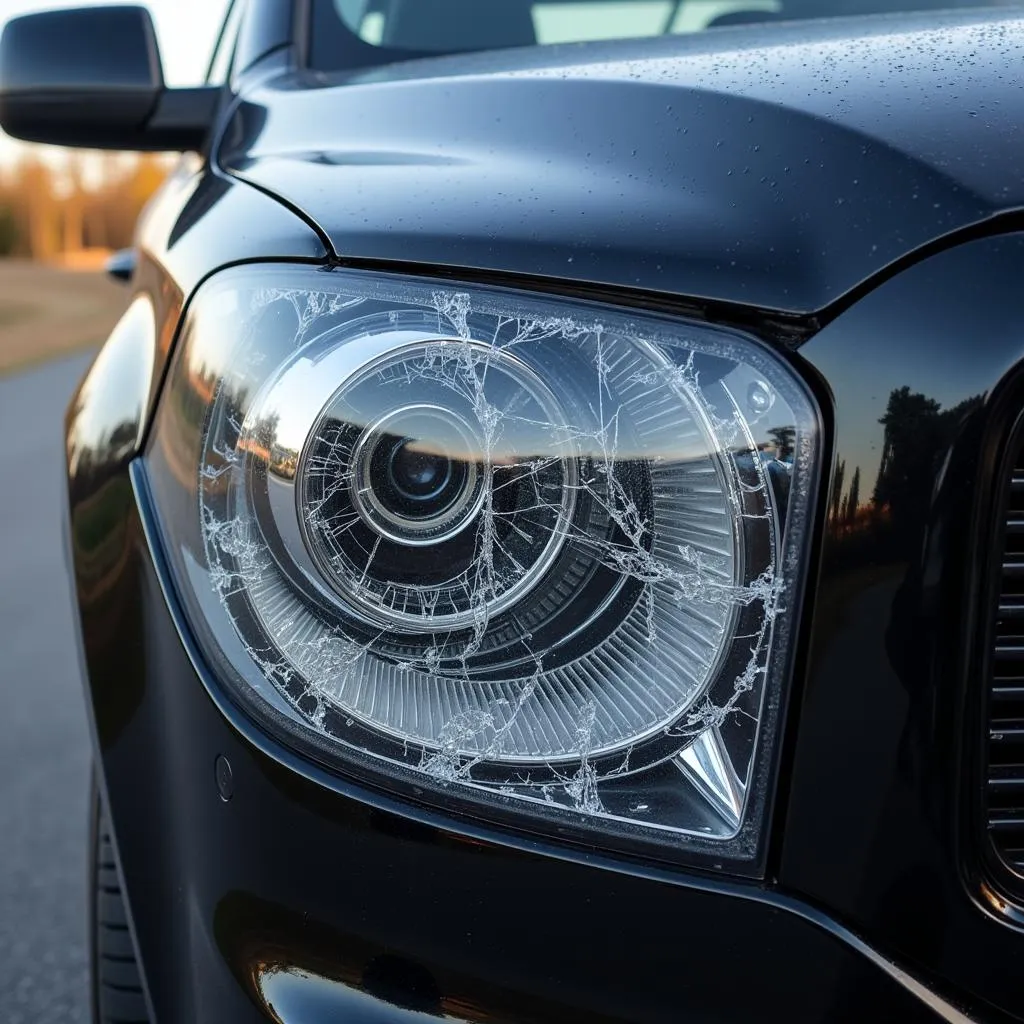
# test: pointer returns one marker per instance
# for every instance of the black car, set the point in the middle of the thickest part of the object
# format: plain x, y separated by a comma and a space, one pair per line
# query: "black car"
548, 533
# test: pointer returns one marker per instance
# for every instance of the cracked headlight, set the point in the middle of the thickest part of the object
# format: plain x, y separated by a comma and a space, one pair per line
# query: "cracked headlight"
534, 555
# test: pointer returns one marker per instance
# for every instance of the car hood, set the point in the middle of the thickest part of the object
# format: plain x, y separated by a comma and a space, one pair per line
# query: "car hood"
778, 167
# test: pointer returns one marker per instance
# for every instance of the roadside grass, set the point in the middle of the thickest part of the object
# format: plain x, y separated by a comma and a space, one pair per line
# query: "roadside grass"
47, 312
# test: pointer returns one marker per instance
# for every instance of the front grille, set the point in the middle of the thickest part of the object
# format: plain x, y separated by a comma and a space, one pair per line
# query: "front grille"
1004, 789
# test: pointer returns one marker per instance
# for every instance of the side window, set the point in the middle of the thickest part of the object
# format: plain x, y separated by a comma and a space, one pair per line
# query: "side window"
224, 53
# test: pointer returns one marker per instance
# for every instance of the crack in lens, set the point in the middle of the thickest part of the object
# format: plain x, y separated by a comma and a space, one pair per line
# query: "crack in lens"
436, 479
478, 517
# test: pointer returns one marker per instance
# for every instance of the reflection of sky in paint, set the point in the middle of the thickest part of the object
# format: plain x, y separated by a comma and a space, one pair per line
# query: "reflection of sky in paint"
872, 368
187, 30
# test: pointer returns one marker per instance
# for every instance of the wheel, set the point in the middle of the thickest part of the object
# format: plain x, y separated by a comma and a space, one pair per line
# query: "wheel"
117, 995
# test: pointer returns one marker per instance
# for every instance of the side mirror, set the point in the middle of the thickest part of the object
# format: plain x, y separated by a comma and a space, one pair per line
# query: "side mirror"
92, 77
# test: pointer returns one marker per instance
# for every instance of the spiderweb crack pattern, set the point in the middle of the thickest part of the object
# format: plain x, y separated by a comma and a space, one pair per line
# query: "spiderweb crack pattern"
471, 348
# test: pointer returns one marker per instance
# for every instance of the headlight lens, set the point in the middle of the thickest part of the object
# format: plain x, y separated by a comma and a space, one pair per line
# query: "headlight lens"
531, 553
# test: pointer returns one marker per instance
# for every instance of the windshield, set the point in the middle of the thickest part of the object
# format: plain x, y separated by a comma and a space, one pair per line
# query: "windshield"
350, 33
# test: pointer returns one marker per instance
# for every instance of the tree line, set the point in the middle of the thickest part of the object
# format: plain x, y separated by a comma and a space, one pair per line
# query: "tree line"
85, 202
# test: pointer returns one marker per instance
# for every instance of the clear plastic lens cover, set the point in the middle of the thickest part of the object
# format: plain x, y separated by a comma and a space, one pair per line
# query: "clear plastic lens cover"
536, 554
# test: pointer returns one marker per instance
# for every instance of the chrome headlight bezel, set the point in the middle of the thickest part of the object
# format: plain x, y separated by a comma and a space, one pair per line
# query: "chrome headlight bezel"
267, 357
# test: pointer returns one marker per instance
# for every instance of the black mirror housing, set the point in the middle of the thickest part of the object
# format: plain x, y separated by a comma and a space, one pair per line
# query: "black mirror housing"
92, 77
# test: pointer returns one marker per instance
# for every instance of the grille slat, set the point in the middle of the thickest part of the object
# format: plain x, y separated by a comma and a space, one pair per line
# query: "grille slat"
1009, 652
1005, 734
1010, 824
1004, 789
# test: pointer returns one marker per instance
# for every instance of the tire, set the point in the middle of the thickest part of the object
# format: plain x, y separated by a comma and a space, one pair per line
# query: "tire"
117, 993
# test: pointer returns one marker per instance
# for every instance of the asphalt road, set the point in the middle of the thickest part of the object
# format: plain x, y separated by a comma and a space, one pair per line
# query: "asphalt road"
44, 746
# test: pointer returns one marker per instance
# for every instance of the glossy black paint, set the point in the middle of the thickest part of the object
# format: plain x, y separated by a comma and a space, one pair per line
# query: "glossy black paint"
925, 373
330, 901
778, 167
108, 414
198, 222
266, 27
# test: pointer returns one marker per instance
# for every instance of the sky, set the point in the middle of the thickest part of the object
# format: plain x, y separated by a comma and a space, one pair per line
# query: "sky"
186, 29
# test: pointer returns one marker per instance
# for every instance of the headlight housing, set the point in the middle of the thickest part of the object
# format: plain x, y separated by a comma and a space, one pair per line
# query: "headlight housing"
535, 555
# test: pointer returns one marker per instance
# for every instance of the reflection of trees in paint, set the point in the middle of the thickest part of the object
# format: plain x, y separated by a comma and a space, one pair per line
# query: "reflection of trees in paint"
918, 433
853, 498
845, 504
915, 431
837, 490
